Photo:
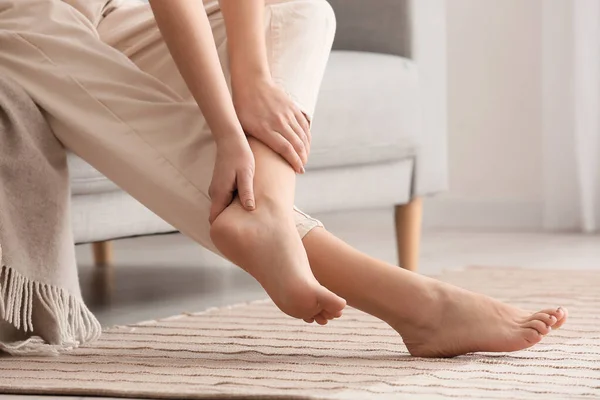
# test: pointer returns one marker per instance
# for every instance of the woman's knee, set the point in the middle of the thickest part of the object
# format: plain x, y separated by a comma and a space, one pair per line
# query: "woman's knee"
312, 15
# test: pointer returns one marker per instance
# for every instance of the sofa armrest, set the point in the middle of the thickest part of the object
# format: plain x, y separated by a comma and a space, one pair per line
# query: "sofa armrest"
429, 53
379, 26
413, 29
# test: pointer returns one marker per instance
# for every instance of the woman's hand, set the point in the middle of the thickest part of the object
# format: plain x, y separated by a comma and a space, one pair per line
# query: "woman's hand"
234, 170
185, 27
267, 113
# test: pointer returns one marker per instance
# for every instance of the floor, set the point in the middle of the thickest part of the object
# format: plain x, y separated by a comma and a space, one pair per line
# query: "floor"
164, 275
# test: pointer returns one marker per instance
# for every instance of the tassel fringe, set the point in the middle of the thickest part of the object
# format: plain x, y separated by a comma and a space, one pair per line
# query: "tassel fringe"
76, 324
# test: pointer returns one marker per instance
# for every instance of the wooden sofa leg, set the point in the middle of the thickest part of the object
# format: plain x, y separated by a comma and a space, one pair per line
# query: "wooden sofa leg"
103, 253
408, 233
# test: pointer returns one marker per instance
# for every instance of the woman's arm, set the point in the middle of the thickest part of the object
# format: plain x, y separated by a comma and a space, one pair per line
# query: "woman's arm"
186, 30
244, 22
265, 111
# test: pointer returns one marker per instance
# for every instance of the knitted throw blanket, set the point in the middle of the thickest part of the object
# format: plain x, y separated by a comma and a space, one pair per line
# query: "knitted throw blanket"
41, 310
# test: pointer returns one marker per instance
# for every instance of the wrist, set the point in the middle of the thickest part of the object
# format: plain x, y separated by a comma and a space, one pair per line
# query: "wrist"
226, 136
245, 77
250, 90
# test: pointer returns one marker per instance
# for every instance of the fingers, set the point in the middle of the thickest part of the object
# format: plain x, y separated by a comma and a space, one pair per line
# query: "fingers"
304, 123
291, 136
283, 147
221, 192
245, 188
299, 131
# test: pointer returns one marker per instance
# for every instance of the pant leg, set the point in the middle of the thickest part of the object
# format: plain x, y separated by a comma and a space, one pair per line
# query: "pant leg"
299, 35
142, 132
123, 121
146, 135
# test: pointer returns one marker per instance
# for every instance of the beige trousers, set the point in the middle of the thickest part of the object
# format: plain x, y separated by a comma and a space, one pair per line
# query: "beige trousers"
112, 94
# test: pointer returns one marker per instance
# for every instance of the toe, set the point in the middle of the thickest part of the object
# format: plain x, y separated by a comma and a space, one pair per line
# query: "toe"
330, 315
538, 325
320, 319
531, 336
325, 314
309, 320
546, 318
330, 302
561, 314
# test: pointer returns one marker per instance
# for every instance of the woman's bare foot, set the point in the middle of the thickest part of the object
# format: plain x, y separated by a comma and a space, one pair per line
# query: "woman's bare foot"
452, 321
266, 244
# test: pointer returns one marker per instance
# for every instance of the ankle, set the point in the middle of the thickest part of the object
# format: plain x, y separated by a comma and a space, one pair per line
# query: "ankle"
270, 205
422, 307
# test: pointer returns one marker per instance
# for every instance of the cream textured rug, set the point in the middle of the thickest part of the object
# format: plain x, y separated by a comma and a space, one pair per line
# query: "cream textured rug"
254, 351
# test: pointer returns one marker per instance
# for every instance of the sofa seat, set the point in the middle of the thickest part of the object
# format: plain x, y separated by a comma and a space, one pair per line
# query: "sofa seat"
348, 130
368, 150
86, 179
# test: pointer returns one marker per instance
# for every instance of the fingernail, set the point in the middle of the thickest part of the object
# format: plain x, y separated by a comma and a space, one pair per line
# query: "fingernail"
302, 170
250, 204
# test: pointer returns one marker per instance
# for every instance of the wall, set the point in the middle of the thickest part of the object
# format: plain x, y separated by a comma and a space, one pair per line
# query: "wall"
494, 55
571, 100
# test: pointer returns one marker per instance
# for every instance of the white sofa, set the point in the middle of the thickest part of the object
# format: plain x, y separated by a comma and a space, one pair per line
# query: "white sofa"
369, 149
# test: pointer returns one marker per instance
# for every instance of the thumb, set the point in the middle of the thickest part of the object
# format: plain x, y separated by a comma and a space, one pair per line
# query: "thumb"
245, 188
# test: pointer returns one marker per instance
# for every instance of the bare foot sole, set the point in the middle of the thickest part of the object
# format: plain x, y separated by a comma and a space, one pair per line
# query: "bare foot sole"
457, 322
266, 244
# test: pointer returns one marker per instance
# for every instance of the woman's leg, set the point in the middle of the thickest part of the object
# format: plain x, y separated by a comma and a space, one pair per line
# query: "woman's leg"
416, 306
148, 139
265, 242
434, 319
373, 286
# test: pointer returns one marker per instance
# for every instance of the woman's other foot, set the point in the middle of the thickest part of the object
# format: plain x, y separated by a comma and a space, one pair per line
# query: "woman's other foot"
452, 321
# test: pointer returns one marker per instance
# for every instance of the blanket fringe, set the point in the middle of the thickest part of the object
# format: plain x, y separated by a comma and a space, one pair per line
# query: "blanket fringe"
76, 323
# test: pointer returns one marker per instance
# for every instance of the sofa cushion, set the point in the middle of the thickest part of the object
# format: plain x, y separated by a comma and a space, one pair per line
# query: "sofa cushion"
85, 179
367, 113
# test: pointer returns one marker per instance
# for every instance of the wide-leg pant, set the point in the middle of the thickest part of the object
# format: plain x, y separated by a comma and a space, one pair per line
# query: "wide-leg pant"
109, 90
112, 93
